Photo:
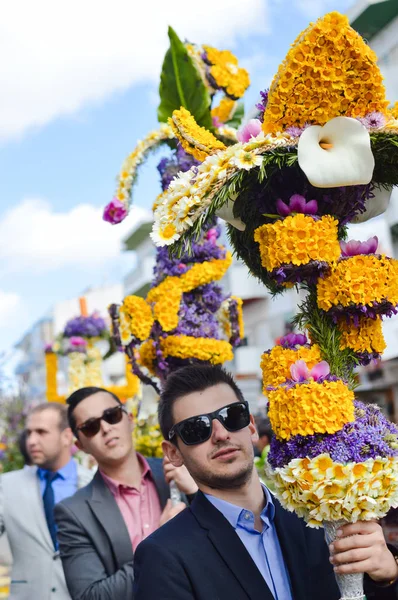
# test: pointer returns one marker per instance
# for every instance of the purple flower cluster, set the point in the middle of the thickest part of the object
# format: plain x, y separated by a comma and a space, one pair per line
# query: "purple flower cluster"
196, 318
205, 249
170, 166
262, 105
297, 274
357, 311
371, 435
292, 340
234, 319
87, 327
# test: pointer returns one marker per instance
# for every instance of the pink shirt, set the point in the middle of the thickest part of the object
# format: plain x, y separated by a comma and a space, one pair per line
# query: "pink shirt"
141, 508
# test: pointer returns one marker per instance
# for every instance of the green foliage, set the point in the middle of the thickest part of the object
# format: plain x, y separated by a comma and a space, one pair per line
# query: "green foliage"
384, 148
182, 85
237, 117
12, 424
324, 332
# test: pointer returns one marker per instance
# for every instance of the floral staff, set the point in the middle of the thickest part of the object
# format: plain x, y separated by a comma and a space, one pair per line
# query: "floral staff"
322, 154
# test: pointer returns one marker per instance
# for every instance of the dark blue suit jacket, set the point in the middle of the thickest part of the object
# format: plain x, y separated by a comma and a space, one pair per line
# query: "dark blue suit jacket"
198, 556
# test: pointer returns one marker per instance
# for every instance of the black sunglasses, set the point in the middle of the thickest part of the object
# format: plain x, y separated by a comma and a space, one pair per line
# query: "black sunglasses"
112, 416
197, 430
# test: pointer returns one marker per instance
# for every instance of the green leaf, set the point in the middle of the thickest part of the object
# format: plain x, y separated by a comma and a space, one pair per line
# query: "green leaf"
237, 116
182, 85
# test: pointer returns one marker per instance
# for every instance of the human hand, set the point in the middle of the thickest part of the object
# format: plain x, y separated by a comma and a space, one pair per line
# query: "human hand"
361, 548
180, 475
170, 511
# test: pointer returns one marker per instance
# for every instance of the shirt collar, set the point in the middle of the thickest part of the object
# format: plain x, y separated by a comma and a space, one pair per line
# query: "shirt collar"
232, 512
114, 485
68, 471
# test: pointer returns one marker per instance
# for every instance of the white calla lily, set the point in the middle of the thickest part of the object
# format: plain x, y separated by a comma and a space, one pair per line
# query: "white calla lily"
337, 154
226, 212
375, 206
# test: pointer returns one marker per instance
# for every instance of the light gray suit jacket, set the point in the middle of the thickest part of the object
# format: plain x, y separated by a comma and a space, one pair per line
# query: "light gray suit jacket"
37, 572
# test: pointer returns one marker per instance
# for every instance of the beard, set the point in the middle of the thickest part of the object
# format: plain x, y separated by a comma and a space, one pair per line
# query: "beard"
230, 479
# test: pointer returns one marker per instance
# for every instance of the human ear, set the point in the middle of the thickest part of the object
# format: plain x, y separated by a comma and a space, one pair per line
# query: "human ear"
253, 430
173, 454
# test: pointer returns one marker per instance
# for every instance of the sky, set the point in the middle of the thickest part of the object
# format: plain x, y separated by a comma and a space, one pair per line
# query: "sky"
78, 85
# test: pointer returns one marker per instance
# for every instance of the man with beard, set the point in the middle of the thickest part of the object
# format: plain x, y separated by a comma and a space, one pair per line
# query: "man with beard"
27, 500
236, 541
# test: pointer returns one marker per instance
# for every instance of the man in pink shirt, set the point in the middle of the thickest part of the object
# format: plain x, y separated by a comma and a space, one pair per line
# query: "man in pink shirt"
100, 526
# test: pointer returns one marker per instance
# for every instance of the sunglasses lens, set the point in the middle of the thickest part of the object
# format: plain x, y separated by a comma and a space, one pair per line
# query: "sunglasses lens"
235, 417
113, 415
91, 429
195, 430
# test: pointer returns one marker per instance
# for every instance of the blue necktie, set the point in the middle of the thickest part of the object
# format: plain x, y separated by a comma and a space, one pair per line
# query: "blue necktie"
48, 501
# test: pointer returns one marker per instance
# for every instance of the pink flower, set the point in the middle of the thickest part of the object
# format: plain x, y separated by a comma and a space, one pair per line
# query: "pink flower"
76, 340
297, 204
114, 212
355, 247
250, 130
212, 235
300, 372
216, 122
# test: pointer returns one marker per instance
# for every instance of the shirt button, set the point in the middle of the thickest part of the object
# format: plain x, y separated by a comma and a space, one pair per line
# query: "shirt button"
146, 526
54, 589
247, 516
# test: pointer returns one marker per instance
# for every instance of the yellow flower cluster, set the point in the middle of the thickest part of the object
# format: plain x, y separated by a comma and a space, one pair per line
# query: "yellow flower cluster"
147, 355
166, 309
132, 162
224, 111
149, 444
198, 275
226, 73
361, 279
297, 240
195, 140
310, 408
367, 337
321, 490
276, 364
394, 111
330, 71
51, 363
207, 349
136, 319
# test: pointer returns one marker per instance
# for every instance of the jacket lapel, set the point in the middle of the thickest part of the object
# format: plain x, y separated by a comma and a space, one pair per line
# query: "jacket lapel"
291, 537
231, 549
162, 488
104, 507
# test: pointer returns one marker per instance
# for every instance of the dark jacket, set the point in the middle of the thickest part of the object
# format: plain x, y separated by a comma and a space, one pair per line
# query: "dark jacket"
94, 542
198, 556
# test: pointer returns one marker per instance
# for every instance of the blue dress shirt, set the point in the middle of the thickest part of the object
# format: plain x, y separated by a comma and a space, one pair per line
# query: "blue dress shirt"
263, 547
66, 483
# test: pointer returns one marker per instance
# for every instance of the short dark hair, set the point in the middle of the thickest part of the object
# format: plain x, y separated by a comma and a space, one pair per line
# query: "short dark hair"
78, 396
189, 379
55, 406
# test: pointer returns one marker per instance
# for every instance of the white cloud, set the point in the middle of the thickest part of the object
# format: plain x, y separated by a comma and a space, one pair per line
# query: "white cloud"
58, 56
35, 238
9, 306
